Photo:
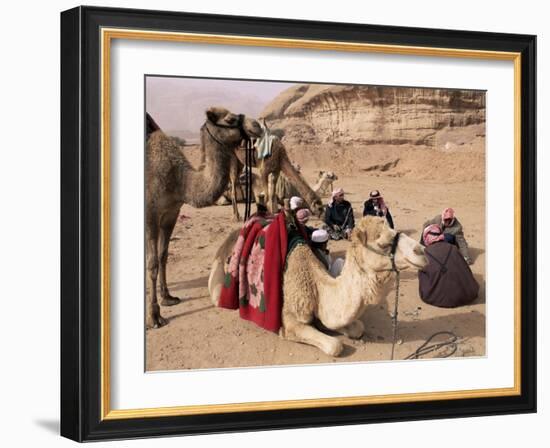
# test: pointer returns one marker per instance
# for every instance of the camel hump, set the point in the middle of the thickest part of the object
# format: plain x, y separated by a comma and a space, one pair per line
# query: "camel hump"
151, 125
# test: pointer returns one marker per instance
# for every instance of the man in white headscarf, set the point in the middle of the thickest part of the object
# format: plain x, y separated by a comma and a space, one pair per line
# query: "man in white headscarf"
319, 242
296, 203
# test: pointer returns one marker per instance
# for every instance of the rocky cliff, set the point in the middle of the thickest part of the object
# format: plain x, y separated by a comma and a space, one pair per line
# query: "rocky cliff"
314, 114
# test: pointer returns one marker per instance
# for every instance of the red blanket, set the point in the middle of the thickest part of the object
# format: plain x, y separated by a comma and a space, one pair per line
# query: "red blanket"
253, 279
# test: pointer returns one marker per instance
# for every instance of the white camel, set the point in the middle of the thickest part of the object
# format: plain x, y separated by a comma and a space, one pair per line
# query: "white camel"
338, 303
325, 182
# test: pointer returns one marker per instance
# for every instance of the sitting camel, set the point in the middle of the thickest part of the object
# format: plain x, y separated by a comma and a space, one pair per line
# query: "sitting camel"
310, 292
171, 181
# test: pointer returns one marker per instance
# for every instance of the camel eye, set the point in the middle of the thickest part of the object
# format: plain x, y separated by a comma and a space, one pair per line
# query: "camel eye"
231, 120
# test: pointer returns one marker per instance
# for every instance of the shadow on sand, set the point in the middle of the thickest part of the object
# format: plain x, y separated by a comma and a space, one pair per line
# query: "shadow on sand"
378, 325
190, 312
199, 282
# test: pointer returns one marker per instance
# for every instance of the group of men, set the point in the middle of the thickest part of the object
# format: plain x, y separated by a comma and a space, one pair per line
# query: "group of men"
447, 281
339, 220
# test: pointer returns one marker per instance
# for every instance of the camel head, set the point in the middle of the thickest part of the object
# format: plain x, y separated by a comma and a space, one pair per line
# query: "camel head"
375, 238
228, 127
317, 208
328, 175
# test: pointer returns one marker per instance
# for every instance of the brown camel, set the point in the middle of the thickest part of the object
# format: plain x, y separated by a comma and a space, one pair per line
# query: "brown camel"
269, 170
171, 181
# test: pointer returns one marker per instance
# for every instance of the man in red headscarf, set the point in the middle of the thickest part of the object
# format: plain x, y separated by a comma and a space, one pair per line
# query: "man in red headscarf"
446, 280
452, 231
339, 220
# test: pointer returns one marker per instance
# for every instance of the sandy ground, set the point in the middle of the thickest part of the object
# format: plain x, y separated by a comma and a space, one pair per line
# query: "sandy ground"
201, 336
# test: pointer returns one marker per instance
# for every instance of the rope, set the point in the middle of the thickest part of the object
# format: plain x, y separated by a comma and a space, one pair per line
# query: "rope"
425, 348
248, 179
394, 320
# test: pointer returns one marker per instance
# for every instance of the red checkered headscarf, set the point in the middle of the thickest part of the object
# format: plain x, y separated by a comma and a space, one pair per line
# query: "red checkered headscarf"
432, 234
303, 215
448, 213
335, 193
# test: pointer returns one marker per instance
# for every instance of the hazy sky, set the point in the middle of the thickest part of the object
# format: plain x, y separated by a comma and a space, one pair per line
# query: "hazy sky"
179, 103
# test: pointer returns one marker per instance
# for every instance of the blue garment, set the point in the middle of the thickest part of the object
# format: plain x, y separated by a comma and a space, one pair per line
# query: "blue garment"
340, 214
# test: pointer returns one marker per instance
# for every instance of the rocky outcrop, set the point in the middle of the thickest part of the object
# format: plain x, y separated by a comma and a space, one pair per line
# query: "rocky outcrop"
315, 114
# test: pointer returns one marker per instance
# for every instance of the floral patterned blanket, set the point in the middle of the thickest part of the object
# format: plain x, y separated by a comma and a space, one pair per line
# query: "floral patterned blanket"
253, 279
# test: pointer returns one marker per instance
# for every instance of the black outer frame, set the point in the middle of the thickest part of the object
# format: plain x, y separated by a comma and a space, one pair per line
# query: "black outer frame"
81, 220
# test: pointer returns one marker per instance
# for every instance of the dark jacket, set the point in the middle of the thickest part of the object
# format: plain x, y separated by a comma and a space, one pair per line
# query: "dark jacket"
454, 230
340, 214
447, 280
368, 209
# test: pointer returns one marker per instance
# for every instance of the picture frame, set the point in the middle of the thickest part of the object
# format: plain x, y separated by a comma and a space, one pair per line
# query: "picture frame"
86, 37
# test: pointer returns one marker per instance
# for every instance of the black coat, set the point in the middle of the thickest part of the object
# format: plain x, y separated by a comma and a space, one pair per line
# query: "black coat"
447, 280
368, 209
340, 214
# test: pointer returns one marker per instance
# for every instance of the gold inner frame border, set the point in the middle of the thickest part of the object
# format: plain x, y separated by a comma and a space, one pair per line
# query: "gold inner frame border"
107, 35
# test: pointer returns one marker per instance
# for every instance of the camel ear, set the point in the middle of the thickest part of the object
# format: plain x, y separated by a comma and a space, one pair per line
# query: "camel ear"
321, 173
361, 234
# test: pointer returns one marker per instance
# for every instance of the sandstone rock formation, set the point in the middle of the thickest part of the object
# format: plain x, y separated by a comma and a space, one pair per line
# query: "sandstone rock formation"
390, 131
366, 115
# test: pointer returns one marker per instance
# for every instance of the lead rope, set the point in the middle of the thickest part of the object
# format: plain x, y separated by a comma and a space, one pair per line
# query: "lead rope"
248, 178
394, 320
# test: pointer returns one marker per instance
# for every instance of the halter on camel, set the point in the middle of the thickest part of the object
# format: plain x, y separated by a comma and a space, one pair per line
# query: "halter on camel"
393, 268
249, 160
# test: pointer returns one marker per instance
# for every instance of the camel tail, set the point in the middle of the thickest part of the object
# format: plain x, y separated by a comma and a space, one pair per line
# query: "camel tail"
217, 271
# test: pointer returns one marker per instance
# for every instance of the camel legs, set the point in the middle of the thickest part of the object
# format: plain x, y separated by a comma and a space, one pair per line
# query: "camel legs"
354, 330
235, 168
154, 319
269, 180
272, 185
293, 330
236, 216
165, 232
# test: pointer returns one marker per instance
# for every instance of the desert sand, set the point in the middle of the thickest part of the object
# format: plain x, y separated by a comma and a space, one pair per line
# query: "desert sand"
417, 183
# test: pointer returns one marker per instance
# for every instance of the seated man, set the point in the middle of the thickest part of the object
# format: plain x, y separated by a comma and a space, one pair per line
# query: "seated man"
452, 231
339, 221
319, 241
447, 280
302, 216
376, 206
296, 203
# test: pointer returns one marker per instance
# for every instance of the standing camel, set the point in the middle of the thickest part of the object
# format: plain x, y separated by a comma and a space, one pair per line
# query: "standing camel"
269, 169
171, 181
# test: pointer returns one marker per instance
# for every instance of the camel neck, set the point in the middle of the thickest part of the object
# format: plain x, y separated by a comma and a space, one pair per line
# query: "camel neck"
343, 299
204, 186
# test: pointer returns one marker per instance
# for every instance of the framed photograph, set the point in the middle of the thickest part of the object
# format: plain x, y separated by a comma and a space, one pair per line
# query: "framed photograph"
274, 223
